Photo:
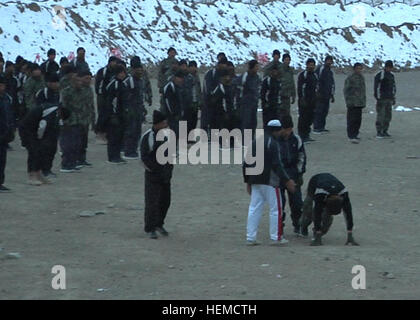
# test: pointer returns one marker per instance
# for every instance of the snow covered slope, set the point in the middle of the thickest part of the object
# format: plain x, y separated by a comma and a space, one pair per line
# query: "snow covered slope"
199, 31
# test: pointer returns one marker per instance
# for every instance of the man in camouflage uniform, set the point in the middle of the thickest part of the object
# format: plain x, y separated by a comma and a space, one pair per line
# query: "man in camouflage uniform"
288, 88
274, 62
385, 90
88, 118
355, 96
167, 68
72, 98
68, 72
32, 86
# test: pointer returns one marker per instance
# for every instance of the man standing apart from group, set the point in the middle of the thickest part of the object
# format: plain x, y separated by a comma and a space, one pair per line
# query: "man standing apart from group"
326, 88
385, 91
355, 96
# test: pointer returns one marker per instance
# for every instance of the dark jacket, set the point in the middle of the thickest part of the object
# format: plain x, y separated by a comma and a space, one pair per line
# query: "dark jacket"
222, 99
49, 67
326, 84
47, 95
102, 79
40, 124
384, 85
80, 65
172, 96
136, 89
293, 156
270, 92
307, 85
322, 185
273, 173
6, 119
161, 173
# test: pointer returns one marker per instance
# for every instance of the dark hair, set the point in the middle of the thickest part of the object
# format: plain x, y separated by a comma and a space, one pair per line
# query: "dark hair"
135, 62
221, 54
112, 58
171, 49
8, 64
182, 61
121, 63
119, 68
224, 60
80, 48
310, 60
192, 64
276, 53
328, 58
389, 63
286, 122
252, 64
34, 66
1, 59
334, 205
357, 64
19, 59
51, 52
64, 60
286, 55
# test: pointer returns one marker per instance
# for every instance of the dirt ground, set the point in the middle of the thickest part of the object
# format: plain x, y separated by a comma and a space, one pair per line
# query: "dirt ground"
205, 256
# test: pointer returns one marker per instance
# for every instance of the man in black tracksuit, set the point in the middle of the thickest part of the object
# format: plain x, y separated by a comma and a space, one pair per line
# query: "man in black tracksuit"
325, 91
12, 86
135, 109
173, 101
79, 61
307, 86
293, 157
384, 92
271, 95
112, 120
102, 79
157, 184
326, 197
40, 130
6, 128
249, 95
49, 95
50, 67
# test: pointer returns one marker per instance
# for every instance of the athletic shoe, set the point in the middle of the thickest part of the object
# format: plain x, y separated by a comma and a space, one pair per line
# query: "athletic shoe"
386, 135
325, 130
308, 140
354, 140
133, 156
317, 131
296, 231
283, 240
162, 231
34, 182
4, 189
379, 136
84, 163
49, 174
152, 235
67, 170
118, 161
251, 243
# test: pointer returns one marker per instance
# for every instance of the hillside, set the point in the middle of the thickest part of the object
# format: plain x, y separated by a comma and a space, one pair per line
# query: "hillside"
199, 31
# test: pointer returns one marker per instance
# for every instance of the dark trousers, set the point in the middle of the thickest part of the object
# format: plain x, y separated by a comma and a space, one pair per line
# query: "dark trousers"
307, 216
132, 135
306, 117
84, 144
115, 137
204, 117
157, 202
270, 112
3, 157
354, 121
295, 205
34, 156
48, 151
191, 116
321, 112
70, 144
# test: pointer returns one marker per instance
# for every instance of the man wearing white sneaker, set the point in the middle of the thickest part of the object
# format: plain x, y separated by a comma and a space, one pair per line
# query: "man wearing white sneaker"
264, 188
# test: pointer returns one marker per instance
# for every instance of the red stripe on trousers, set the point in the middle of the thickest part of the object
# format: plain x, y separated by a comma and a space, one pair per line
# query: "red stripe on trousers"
280, 217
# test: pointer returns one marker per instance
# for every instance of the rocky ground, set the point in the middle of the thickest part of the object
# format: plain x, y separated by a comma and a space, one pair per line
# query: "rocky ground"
108, 256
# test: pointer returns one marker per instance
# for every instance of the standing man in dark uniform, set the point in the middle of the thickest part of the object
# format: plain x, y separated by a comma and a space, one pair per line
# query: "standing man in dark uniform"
325, 198
385, 91
173, 101
158, 176
307, 86
50, 67
270, 95
102, 79
325, 91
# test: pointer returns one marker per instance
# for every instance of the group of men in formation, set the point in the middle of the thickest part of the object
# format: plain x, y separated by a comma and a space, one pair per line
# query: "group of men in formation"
53, 104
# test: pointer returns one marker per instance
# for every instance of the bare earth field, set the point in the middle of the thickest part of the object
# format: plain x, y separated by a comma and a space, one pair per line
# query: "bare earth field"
205, 256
